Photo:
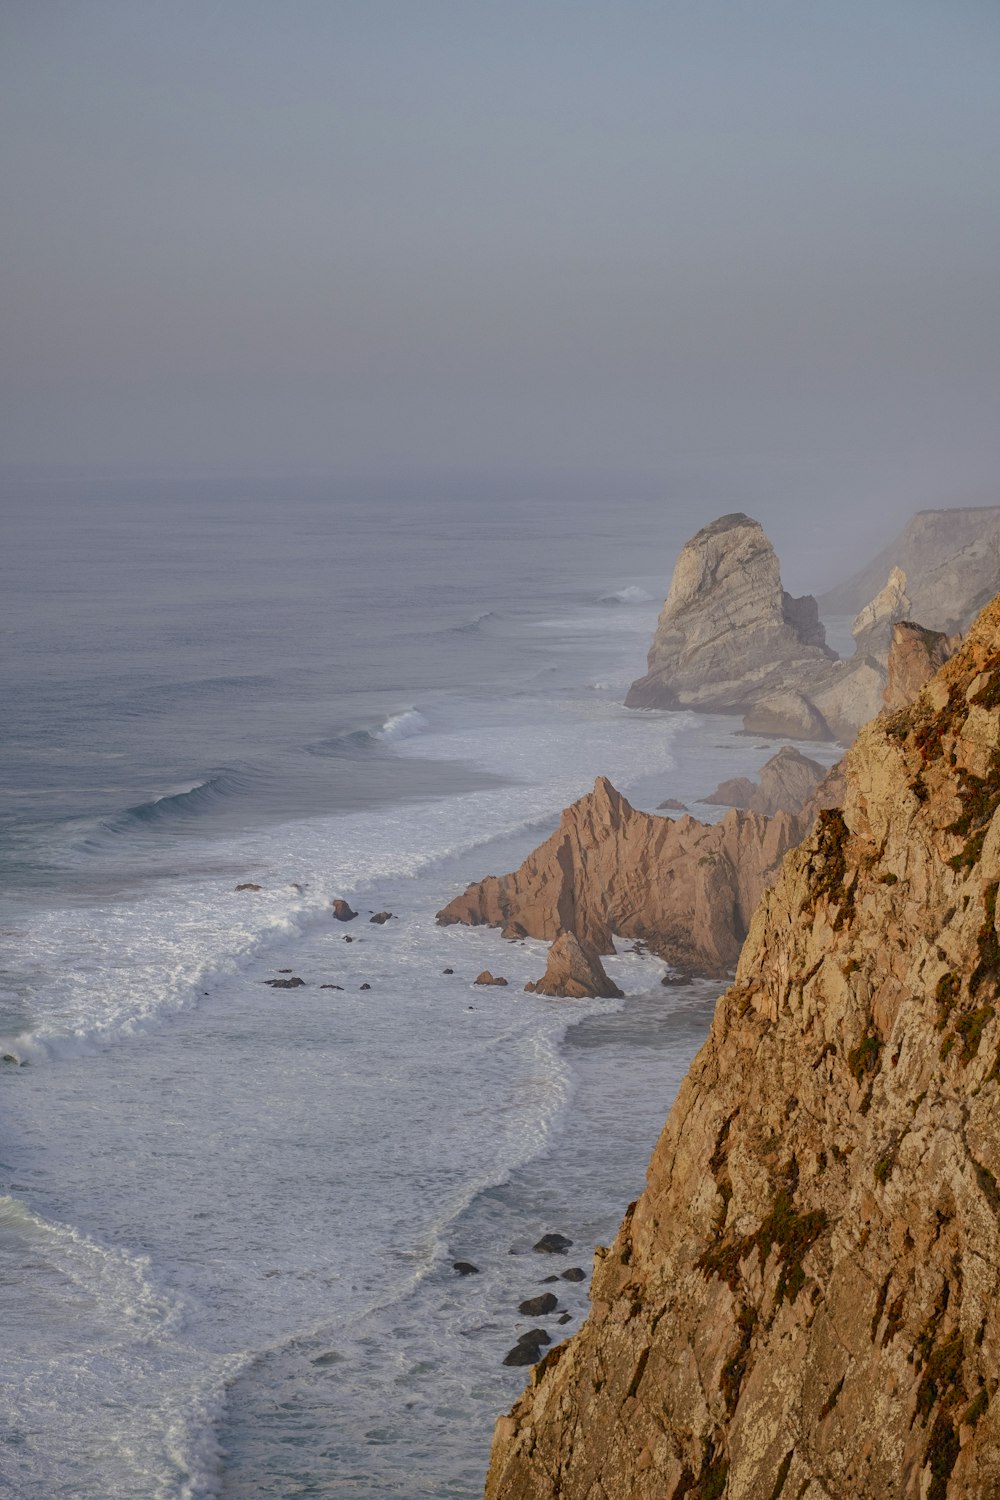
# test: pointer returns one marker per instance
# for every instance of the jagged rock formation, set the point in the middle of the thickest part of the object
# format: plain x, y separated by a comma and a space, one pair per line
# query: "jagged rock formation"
728, 633
805, 1301
872, 630
951, 559
574, 972
787, 782
687, 889
914, 656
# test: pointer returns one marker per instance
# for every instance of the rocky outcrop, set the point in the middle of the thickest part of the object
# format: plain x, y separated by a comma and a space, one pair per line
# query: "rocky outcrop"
728, 634
951, 559
788, 714
787, 783
805, 1301
687, 889
574, 971
872, 630
914, 656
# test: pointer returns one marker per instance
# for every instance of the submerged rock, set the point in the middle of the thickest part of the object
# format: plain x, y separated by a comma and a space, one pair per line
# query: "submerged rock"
552, 1244
465, 1268
248, 885
537, 1307
331, 986
285, 984
574, 971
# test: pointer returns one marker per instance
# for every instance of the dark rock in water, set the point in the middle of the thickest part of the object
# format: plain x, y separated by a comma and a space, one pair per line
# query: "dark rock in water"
447, 971
348, 938
331, 986
465, 1268
671, 805
537, 1307
329, 1359
286, 971
9, 1057
380, 918
248, 885
546, 1279
365, 986
487, 978
285, 984
566, 1318
513, 932
552, 1244
524, 1354
669, 980
535, 1336
342, 911
575, 1273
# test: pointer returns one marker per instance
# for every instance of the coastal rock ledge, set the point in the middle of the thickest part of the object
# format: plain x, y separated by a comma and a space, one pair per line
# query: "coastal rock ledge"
804, 1304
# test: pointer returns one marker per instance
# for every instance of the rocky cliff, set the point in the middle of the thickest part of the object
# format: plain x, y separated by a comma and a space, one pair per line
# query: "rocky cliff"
805, 1301
951, 559
687, 889
728, 634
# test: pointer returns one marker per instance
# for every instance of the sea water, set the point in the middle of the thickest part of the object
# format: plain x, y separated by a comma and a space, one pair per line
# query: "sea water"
230, 1212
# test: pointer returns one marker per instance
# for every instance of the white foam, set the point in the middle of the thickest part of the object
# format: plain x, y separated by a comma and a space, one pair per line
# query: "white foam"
402, 726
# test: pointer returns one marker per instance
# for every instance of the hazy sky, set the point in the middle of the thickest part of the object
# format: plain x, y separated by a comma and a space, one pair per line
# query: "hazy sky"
620, 239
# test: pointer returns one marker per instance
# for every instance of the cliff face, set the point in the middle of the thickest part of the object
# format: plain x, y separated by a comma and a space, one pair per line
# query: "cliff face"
728, 634
688, 889
951, 559
805, 1301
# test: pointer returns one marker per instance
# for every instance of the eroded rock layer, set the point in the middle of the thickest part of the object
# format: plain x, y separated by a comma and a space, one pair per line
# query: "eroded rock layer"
728, 634
805, 1301
687, 889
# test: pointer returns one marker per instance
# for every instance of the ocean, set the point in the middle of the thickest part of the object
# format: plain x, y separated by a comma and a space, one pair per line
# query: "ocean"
229, 1213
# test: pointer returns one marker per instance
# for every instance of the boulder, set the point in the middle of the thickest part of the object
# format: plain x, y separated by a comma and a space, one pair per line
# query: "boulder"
728, 633
552, 1244
285, 984
487, 978
248, 885
574, 971
537, 1307
671, 805
342, 911
465, 1268
380, 918
524, 1354
574, 1273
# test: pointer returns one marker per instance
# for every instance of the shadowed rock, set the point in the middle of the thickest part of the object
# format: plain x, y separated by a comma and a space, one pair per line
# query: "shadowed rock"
574, 971
342, 911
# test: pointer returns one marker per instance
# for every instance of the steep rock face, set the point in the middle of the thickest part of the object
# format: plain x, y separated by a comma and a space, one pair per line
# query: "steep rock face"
686, 888
805, 1301
574, 971
951, 559
872, 630
728, 634
914, 656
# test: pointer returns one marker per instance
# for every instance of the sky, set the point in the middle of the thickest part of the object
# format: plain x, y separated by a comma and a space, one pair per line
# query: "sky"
750, 244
